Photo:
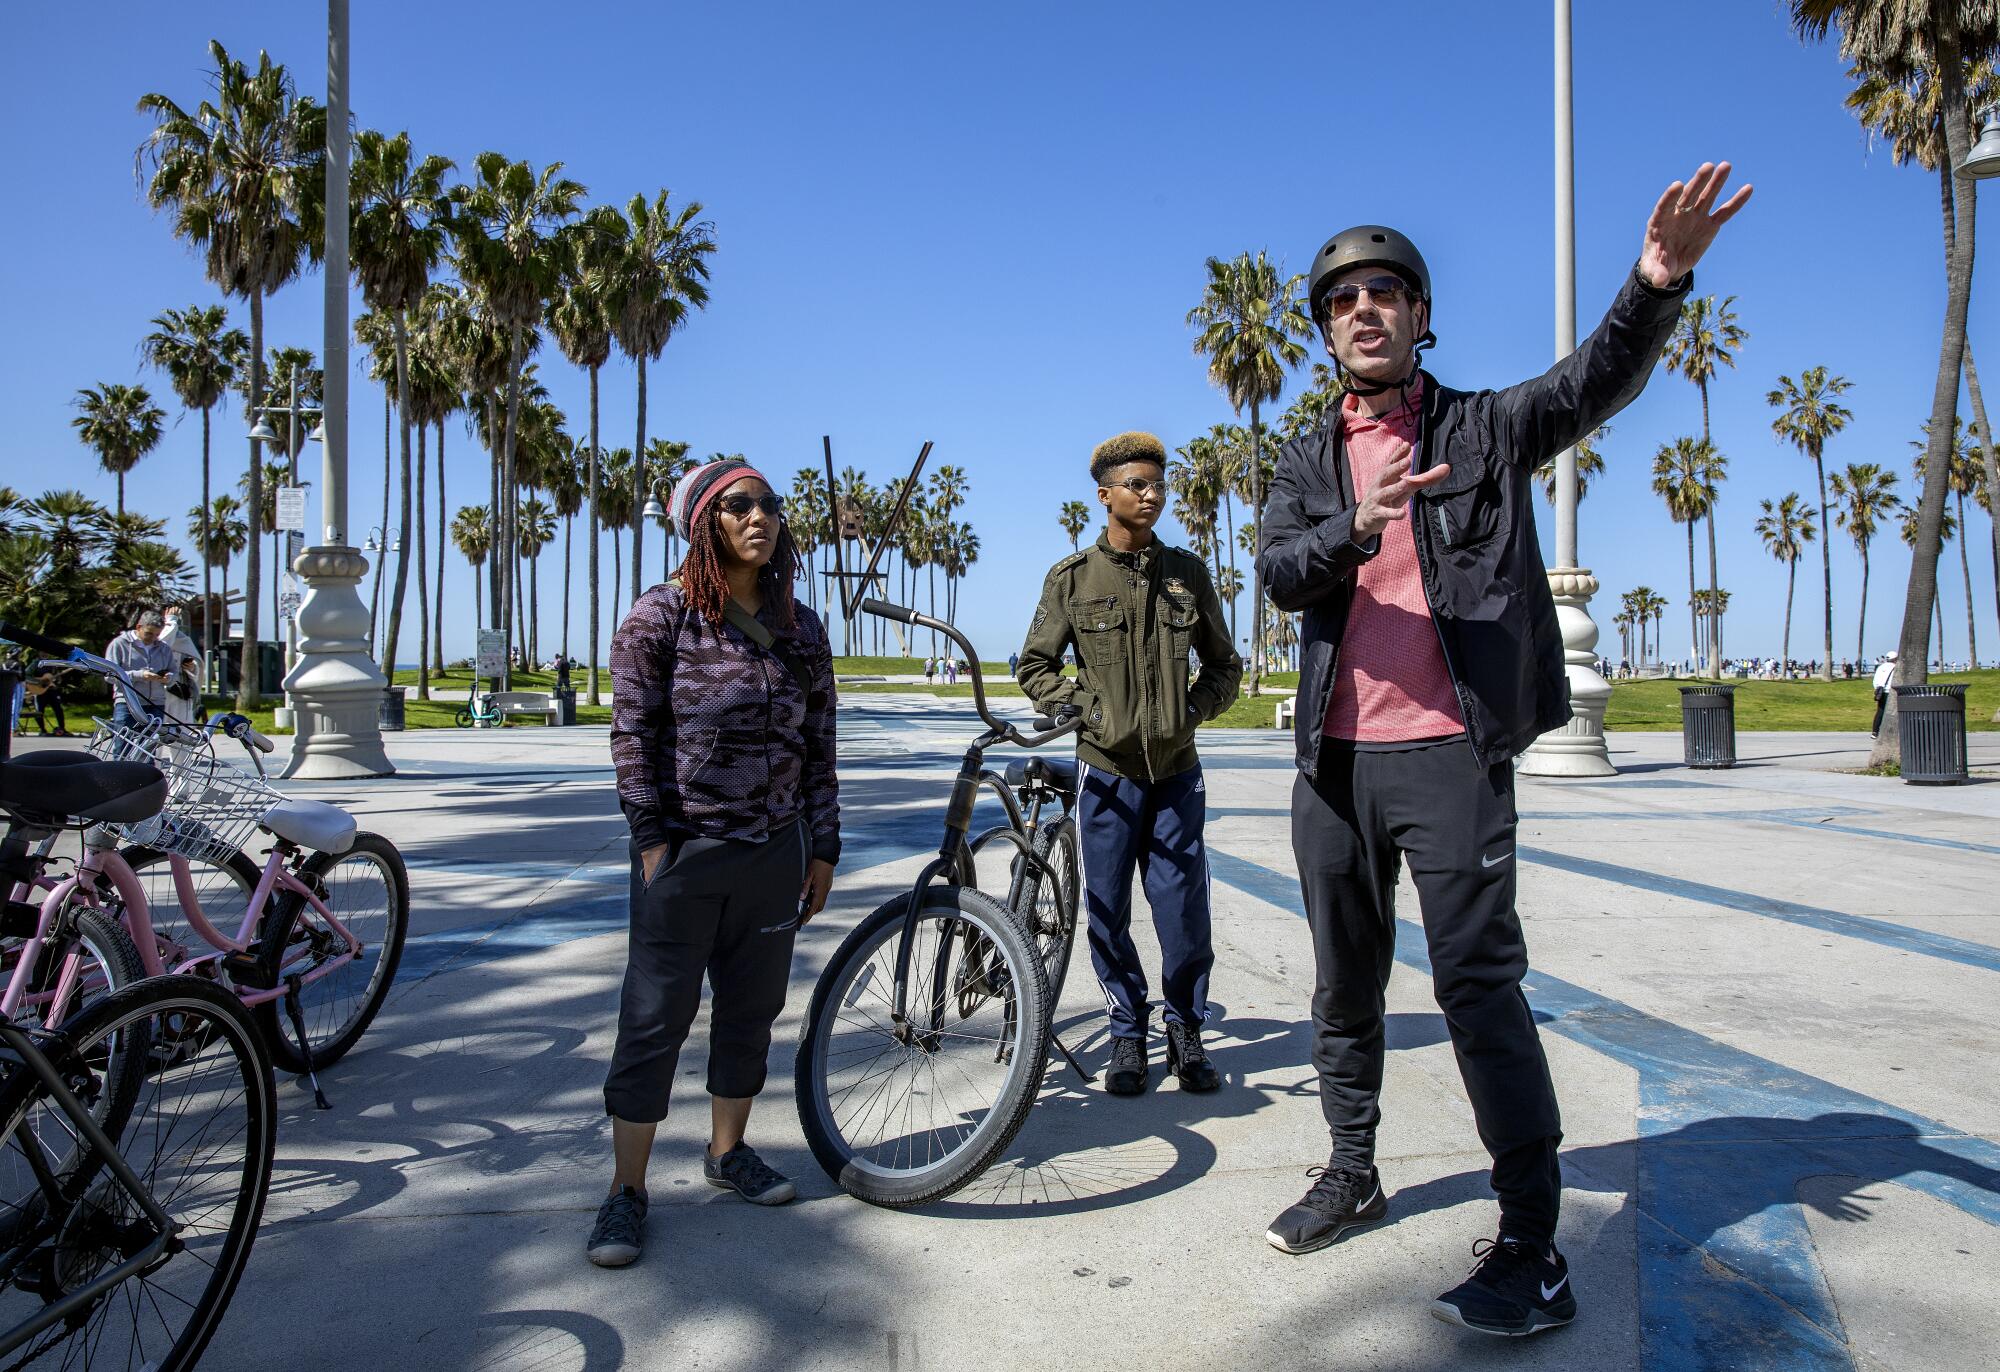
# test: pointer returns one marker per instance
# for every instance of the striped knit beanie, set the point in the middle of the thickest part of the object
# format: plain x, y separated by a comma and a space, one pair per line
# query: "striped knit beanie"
693, 492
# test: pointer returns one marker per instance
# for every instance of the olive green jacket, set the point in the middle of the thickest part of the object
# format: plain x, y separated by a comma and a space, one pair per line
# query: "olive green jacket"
1131, 618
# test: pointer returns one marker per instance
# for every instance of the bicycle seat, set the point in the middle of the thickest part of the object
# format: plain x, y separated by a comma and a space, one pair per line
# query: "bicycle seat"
312, 824
77, 786
1059, 772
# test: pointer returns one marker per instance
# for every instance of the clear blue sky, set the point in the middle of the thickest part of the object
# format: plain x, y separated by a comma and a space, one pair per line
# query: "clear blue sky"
984, 226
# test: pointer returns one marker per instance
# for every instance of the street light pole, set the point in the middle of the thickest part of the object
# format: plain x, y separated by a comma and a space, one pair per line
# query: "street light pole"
1578, 748
336, 685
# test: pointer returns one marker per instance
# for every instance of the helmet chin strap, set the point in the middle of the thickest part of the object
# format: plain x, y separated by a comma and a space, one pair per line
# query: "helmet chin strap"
1402, 387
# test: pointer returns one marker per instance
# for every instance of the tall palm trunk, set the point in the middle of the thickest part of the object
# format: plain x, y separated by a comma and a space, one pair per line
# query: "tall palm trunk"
637, 514
423, 582
492, 404
1229, 537
1861, 627
507, 541
1256, 573
617, 576
207, 600
225, 587
534, 657
590, 499
1714, 603
1989, 453
437, 621
1825, 565
1939, 606
569, 543
1694, 619
247, 694
1913, 655
1791, 581
382, 557
477, 622
402, 584
1965, 565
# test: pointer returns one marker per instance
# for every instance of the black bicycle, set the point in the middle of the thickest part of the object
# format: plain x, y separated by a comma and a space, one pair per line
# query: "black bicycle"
930, 1028
135, 1139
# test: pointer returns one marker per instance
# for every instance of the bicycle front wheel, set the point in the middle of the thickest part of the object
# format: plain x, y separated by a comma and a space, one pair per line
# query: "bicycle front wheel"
367, 889
463, 719
198, 1137
902, 1114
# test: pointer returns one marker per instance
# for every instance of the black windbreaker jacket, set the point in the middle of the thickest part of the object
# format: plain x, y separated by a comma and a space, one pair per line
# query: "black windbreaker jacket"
1475, 531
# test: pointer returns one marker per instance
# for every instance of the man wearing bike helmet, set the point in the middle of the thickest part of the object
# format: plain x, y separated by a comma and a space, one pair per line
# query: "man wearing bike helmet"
1404, 529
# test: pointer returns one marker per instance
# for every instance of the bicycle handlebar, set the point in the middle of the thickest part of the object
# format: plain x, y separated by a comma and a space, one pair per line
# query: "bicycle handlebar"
905, 615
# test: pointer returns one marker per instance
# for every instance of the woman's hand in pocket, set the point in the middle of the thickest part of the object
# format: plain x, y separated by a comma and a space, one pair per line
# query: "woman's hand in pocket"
812, 895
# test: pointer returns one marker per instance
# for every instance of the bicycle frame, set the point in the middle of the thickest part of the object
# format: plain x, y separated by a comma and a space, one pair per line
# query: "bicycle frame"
15, 1040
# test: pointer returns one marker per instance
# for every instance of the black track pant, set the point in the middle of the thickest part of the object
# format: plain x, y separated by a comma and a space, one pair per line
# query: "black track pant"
717, 907
1351, 829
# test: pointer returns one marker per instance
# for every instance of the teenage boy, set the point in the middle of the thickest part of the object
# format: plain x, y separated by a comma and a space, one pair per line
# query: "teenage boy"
1131, 608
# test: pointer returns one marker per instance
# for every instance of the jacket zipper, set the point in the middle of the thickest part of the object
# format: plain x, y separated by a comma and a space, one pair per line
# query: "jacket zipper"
1450, 670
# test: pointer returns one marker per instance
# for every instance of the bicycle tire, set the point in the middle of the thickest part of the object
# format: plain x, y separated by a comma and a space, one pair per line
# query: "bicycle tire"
294, 937
856, 1164
463, 719
241, 872
217, 1205
1050, 914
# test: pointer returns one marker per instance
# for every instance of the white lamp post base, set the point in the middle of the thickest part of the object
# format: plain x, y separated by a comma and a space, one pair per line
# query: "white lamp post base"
335, 687
1577, 749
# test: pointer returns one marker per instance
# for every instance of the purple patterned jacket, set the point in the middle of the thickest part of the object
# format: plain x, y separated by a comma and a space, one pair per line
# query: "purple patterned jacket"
711, 734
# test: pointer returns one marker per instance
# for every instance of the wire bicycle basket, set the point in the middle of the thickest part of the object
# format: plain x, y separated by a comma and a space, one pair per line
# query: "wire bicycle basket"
211, 808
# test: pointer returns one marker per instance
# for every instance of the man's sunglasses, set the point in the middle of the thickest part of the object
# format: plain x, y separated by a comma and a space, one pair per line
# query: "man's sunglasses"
740, 505
1383, 290
1139, 485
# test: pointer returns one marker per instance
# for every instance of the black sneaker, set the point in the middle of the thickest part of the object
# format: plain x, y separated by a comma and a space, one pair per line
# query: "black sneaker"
1126, 1076
1188, 1060
621, 1223
749, 1176
1512, 1290
1340, 1199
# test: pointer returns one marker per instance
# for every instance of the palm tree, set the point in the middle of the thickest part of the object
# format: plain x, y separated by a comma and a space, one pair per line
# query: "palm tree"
1911, 527
580, 318
1704, 340
806, 514
1589, 465
1252, 322
1962, 480
121, 424
667, 461
1786, 527
1908, 114
434, 397
564, 484
263, 517
1867, 493
1681, 477
1074, 518
1195, 479
662, 273
1894, 39
219, 532
201, 356
399, 215
1308, 411
243, 176
506, 227
537, 531
1810, 416
472, 535
615, 479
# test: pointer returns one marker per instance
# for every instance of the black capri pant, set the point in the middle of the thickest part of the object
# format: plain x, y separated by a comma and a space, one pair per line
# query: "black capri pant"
720, 907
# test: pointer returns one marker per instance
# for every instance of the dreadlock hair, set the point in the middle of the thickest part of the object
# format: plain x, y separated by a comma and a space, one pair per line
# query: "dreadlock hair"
706, 585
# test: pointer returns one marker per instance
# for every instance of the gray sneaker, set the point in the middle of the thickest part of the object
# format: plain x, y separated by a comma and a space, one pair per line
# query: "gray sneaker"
621, 1222
742, 1171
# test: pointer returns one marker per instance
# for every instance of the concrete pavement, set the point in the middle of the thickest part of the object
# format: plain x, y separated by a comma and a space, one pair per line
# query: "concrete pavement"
1767, 996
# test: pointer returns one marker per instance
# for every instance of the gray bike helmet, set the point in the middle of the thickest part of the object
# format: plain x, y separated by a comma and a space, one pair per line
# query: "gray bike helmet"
1367, 245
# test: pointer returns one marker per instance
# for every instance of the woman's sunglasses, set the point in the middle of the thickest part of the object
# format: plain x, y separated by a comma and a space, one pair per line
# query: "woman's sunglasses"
740, 505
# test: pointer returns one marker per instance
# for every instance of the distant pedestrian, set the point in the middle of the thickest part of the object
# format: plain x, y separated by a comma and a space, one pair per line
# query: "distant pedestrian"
930, 670
149, 661
1013, 664
1885, 677
184, 691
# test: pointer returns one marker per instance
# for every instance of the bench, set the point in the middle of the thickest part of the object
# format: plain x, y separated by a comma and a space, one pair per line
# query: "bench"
507, 703
1286, 710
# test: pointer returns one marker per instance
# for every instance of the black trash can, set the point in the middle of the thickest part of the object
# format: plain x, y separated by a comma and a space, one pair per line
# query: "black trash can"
1708, 725
1930, 728
566, 706
390, 714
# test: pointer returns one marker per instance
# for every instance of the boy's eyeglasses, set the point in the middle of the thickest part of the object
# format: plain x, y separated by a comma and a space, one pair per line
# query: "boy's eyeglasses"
740, 505
1383, 290
1139, 485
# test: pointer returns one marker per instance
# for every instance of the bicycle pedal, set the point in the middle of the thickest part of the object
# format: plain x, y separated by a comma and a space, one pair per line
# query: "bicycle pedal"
245, 968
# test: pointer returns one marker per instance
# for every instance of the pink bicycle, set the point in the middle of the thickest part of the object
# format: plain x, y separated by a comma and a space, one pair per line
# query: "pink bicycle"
318, 928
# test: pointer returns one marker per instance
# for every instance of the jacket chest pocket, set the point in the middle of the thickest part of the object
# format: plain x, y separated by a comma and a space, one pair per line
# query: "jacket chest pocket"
1469, 509
1177, 617
1101, 631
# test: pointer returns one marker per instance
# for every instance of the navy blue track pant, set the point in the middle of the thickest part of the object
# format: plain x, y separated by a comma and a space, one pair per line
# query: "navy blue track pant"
1154, 827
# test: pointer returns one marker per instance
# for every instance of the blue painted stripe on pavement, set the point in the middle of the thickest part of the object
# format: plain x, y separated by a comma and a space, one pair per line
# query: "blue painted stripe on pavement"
1875, 931
1725, 1138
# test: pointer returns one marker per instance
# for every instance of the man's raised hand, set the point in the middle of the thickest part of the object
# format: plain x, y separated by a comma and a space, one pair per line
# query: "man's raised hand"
1685, 222
1388, 496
